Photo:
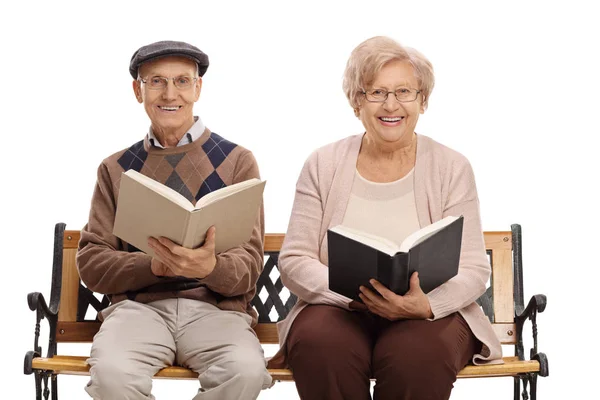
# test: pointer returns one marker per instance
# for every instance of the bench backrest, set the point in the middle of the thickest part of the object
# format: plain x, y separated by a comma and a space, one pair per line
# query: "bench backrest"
272, 300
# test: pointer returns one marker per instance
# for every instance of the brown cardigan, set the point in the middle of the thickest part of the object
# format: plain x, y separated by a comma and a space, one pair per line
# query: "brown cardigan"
444, 185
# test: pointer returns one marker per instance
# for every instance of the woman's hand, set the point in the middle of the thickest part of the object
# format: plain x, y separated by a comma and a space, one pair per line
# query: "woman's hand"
176, 260
357, 306
413, 305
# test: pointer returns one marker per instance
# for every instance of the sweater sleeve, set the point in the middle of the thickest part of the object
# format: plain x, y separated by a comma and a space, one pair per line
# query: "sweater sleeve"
103, 265
301, 270
237, 269
474, 268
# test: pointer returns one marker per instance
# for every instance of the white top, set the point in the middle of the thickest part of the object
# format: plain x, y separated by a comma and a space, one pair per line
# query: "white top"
387, 210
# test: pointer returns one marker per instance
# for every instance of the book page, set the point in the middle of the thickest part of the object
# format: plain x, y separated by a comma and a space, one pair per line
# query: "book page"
233, 216
377, 242
143, 212
225, 191
161, 189
422, 234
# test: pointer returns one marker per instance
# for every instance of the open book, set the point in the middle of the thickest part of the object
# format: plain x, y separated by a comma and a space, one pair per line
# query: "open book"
355, 257
148, 208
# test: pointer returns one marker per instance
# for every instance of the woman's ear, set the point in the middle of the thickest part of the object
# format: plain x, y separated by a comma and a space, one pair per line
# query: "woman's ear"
423, 105
358, 106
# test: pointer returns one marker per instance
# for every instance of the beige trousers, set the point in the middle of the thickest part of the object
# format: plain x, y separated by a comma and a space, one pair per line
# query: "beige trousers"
136, 340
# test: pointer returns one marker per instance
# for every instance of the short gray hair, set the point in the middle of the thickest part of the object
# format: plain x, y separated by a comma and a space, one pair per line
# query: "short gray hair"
369, 57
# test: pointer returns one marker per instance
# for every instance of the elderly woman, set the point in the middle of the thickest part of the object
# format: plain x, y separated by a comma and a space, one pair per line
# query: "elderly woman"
388, 181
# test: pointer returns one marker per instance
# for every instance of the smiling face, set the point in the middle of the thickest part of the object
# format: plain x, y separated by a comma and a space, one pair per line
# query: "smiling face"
171, 110
392, 123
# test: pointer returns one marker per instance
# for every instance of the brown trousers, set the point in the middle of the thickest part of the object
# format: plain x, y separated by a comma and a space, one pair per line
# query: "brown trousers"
333, 353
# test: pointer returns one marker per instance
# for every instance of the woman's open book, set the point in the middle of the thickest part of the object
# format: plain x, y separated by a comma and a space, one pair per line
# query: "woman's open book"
355, 257
148, 208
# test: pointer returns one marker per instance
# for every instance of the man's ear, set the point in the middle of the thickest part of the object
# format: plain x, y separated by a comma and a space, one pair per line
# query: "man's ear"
198, 88
137, 90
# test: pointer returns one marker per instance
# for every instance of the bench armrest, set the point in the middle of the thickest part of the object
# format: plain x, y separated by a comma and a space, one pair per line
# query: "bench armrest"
38, 304
537, 304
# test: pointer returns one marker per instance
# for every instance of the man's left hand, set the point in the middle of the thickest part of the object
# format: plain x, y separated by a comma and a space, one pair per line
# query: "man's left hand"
191, 263
413, 305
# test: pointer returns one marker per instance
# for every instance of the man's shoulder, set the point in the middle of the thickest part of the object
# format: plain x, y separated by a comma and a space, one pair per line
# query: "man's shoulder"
131, 157
217, 142
217, 147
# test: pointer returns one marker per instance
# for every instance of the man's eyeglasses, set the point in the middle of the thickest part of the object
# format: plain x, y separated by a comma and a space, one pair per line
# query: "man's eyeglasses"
403, 95
160, 82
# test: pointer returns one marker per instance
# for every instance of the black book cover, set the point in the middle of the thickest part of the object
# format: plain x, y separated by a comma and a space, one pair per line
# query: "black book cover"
352, 263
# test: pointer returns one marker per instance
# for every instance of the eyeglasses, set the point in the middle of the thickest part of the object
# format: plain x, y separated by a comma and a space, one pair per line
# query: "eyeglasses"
403, 95
160, 82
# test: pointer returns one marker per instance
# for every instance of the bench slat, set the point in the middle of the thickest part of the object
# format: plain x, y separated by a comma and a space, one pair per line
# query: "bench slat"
71, 239
69, 287
498, 240
506, 333
76, 332
83, 332
76, 365
502, 279
273, 242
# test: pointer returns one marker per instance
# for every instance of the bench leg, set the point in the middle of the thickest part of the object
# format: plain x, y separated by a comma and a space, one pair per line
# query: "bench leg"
54, 387
42, 389
38, 385
525, 380
41, 377
528, 379
533, 386
46, 390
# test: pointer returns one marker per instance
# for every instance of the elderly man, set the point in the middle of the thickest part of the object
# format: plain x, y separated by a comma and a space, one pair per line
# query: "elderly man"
189, 307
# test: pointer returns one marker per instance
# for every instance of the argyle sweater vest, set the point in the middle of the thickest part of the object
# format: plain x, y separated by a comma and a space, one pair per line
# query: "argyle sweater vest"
109, 265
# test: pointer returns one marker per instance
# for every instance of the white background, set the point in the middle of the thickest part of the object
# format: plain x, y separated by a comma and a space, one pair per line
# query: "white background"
516, 92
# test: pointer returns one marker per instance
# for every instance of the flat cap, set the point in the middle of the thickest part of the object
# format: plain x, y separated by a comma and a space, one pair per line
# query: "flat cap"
168, 48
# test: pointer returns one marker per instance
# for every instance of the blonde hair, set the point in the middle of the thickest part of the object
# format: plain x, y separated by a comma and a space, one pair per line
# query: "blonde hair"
369, 57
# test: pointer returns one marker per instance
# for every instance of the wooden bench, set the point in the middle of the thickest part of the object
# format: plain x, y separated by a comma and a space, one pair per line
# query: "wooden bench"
70, 300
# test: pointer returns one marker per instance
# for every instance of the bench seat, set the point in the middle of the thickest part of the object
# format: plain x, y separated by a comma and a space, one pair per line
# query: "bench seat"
77, 365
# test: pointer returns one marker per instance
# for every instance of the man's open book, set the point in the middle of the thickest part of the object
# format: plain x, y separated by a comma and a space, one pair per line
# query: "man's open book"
148, 208
355, 257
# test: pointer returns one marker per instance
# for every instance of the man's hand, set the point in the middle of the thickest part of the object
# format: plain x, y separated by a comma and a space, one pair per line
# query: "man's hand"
413, 305
175, 260
160, 269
